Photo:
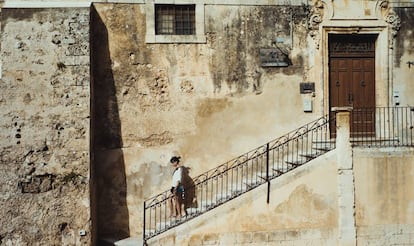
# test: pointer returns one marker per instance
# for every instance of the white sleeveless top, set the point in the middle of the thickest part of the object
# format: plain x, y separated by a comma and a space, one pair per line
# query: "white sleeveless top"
176, 177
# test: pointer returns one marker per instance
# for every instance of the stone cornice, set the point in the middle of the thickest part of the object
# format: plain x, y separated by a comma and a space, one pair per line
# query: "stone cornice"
87, 3
58, 3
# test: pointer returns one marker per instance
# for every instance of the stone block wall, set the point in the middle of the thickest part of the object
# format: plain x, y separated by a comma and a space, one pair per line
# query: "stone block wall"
44, 125
304, 237
391, 234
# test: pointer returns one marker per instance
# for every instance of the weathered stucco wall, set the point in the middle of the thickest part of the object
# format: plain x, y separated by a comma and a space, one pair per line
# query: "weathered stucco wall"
384, 195
194, 100
209, 102
44, 122
404, 59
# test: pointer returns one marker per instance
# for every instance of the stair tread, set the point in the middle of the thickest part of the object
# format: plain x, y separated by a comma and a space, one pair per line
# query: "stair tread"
296, 163
326, 149
130, 241
313, 155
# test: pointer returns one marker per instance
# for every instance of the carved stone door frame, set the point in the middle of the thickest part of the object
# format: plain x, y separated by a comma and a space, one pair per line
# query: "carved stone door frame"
372, 17
383, 64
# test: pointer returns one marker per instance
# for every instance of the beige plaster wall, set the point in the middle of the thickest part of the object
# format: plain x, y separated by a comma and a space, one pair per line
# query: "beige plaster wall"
200, 101
404, 57
383, 177
384, 195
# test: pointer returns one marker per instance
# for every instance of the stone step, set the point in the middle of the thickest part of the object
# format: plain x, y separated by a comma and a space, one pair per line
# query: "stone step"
203, 206
210, 201
130, 241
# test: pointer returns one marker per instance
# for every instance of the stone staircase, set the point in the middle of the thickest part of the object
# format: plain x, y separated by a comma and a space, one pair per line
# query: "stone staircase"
249, 171
243, 174
237, 190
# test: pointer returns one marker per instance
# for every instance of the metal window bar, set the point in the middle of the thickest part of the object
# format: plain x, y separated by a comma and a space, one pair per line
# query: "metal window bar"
174, 19
164, 19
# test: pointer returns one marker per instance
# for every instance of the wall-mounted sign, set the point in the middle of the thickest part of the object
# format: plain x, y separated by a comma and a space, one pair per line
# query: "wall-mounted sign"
273, 57
307, 87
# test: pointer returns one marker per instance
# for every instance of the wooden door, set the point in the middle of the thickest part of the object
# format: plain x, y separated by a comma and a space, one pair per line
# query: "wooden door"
352, 80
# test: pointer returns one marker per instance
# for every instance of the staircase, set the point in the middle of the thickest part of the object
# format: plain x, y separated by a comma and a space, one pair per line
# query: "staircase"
242, 174
393, 127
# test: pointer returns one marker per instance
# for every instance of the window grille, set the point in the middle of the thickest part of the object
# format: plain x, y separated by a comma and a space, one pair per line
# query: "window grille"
174, 19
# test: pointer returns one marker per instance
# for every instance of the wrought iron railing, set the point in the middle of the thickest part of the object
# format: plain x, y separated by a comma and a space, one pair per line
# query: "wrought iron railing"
378, 127
242, 174
382, 127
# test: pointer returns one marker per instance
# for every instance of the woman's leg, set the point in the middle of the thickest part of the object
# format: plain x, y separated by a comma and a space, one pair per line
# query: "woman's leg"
178, 205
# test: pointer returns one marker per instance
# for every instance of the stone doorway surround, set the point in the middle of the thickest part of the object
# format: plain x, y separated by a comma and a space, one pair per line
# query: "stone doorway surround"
354, 17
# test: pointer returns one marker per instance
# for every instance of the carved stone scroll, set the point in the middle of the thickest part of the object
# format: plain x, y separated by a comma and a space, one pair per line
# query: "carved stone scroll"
392, 19
315, 19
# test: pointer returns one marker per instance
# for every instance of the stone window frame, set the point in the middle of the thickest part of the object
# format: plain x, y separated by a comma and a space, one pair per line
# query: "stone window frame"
175, 19
152, 37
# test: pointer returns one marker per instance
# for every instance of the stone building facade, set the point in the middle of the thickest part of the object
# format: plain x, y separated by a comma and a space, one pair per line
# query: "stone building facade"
45, 105
95, 100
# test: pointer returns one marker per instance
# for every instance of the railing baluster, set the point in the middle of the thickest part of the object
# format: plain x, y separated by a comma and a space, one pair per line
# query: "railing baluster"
406, 127
388, 123
143, 228
211, 192
378, 115
267, 173
411, 126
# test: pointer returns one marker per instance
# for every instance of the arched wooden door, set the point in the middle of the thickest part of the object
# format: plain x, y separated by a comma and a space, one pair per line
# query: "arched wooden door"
352, 80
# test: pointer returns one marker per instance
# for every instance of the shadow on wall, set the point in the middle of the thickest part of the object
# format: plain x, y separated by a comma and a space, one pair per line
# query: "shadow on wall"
110, 218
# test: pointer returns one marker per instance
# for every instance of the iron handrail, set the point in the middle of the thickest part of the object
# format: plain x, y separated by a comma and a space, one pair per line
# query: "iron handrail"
381, 126
241, 174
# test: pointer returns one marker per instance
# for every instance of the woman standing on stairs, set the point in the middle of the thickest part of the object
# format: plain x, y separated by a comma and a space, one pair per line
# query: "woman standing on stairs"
177, 188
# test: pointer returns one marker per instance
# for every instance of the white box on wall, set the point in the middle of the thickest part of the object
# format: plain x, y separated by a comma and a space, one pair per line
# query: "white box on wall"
307, 104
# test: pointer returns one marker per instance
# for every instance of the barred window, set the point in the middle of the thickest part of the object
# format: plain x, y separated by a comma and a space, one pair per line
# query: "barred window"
174, 19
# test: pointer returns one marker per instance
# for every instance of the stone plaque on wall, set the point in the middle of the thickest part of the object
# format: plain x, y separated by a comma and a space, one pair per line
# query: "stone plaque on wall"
273, 57
307, 87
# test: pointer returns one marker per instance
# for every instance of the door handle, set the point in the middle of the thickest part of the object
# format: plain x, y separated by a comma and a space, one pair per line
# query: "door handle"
350, 98
337, 83
362, 83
